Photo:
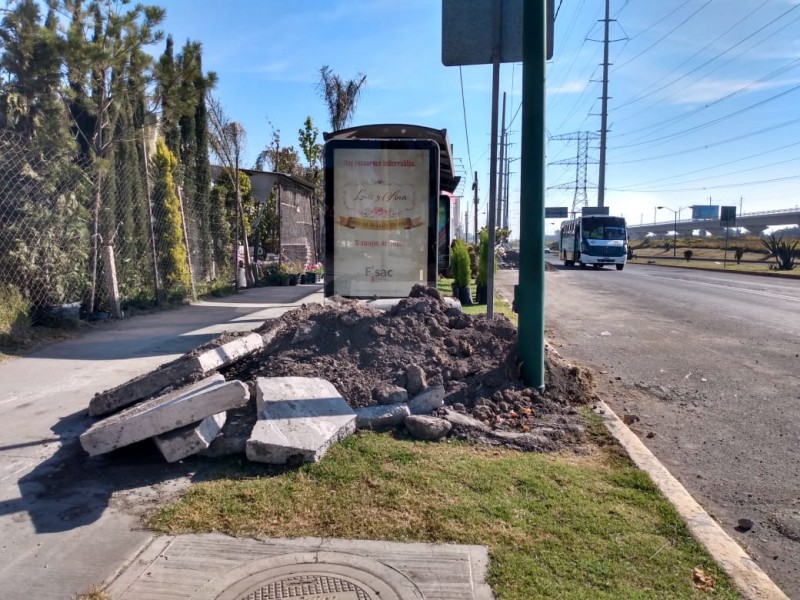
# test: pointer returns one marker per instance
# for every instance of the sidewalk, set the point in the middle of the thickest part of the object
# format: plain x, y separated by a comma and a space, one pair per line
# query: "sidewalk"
66, 522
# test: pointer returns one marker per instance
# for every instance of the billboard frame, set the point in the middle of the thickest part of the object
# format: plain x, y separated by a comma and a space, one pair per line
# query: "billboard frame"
432, 195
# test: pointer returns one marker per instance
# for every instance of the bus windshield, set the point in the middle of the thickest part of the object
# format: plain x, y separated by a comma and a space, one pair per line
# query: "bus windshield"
604, 229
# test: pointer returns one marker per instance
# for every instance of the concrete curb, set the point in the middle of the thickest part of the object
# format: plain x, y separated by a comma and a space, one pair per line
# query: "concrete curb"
748, 577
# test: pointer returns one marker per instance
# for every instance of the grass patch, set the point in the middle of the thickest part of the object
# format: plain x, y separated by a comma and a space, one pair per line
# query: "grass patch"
93, 593
573, 526
500, 306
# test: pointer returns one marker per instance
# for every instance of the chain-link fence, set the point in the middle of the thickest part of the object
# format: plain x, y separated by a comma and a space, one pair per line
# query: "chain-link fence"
57, 221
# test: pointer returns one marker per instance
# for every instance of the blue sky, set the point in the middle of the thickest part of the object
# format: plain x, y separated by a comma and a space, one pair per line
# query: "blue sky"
704, 93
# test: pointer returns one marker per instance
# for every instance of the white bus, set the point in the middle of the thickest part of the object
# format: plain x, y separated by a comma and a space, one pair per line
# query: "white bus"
596, 240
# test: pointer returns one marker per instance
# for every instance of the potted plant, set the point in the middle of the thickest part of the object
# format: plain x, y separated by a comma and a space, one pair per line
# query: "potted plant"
313, 272
459, 261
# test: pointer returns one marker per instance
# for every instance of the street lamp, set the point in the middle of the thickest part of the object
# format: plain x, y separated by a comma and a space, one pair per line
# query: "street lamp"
676, 214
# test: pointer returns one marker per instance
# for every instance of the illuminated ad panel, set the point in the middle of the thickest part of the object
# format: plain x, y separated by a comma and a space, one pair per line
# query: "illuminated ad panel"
382, 199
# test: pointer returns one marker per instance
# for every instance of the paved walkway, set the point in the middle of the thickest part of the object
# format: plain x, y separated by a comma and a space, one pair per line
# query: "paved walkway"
66, 521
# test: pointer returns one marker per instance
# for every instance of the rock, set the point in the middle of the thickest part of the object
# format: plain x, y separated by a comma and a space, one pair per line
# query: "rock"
389, 394
630, 419
427, 401
459, 420
415, 379
381, 417
377, 331
165, 413
427, 428
744, 525
191, 439
306, 332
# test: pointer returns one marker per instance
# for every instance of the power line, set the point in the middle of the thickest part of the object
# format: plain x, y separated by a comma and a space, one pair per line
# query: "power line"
464, 107
681, 117
712, 145
641, 97
714, 187
717, 166
713, 122
663, 37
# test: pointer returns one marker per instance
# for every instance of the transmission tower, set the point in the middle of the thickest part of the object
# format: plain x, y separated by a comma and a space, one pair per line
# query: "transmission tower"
581, 161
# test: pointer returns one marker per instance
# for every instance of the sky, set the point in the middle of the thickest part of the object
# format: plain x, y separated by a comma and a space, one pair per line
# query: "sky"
703, 107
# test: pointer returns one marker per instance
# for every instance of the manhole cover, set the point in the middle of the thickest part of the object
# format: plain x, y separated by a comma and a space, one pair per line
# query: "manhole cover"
312, 576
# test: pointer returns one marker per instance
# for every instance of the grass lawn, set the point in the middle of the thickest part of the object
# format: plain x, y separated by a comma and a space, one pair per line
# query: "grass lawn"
586, 525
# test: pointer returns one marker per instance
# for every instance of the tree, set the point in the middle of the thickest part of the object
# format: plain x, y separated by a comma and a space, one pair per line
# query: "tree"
98, 47
277, 158
227, 141
169, 232
341, 97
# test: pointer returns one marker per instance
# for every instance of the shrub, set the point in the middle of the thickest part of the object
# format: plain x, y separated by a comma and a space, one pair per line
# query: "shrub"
13, 310
459, 262
687, 254
783, 251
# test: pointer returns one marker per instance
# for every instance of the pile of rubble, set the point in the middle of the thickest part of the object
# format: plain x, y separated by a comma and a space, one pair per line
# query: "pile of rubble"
287, 391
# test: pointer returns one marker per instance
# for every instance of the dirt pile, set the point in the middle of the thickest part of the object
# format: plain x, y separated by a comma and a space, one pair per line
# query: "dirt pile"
369, 354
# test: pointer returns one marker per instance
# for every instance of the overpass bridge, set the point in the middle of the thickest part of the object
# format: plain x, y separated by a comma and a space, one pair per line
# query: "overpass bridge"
755, 222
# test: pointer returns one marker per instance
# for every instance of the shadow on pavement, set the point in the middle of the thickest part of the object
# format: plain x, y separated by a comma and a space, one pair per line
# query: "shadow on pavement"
71, 489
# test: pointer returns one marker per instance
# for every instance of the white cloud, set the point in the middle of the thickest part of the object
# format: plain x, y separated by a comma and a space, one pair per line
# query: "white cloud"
710, 90
569, 87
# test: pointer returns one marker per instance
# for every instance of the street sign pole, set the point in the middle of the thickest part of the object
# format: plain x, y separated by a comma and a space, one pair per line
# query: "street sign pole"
530, 351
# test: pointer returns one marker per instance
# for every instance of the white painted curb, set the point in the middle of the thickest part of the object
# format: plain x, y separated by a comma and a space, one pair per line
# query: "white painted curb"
748, 577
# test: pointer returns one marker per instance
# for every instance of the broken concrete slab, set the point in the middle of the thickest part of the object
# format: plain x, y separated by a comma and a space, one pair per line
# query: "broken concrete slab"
427, 401
165, 413
270, 390
177, 372
292, 429
190, 439
381, 416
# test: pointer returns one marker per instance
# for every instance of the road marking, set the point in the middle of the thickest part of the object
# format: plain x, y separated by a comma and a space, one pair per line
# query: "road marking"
727, 288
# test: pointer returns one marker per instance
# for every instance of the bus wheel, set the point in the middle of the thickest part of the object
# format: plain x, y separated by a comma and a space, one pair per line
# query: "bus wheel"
620, 267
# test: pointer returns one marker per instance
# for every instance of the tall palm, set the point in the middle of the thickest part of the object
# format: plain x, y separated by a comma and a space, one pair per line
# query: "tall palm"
340, 96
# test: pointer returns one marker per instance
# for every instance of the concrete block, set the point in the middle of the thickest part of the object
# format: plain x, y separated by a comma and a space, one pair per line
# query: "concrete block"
165, 413
229, 352
190, 439
270, 390
294, 429
427, 401
382, 416
175, 373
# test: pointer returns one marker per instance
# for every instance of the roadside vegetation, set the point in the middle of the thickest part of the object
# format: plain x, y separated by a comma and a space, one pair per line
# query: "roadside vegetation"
775, 254
575, 525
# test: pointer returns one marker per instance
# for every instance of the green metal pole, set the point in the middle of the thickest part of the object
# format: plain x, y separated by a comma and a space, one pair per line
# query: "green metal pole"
530, 299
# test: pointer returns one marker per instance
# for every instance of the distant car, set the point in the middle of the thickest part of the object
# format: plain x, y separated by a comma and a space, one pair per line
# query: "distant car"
547, 250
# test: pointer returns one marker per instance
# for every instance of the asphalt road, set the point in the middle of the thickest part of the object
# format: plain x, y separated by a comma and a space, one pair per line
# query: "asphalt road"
710, 364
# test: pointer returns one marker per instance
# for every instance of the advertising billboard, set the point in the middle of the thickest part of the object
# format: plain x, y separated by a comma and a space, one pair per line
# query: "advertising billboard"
382, 209
705, 211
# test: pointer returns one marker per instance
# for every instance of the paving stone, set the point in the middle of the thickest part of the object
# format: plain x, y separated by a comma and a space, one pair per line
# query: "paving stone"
294, 429
165, 413
427, 401
177, 372
190, 439
381, 416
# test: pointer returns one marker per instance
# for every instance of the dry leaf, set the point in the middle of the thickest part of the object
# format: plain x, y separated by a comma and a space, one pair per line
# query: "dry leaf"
703, 582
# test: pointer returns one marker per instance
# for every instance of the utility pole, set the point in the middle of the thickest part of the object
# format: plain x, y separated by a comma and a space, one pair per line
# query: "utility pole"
501, 177
601, 179
466, 225
475, 214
